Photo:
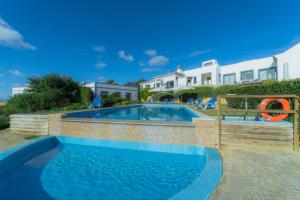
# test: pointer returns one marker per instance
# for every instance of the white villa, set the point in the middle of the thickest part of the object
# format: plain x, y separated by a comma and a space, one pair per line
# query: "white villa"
100, 90
283, 66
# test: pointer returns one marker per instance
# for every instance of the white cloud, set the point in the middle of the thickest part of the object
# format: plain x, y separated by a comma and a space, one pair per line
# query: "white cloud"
150, 52
99, 49
127, 57
158, 61
15, 72
102, 79
198, 53
100, 64
12, 38
150, 69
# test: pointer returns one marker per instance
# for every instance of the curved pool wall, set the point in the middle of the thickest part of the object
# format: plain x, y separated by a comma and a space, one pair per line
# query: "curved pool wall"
201, 188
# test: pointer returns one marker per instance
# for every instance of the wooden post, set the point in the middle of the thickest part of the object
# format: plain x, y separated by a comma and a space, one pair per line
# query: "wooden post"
219, 123
296, 124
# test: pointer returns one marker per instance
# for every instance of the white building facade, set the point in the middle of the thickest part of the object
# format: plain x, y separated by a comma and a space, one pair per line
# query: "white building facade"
283, 66
102, 90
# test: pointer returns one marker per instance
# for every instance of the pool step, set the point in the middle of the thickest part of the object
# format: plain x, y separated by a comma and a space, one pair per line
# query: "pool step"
256, 139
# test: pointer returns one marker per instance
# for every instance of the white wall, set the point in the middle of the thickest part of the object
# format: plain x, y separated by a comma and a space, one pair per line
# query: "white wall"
18, 90
292, 58
254, 65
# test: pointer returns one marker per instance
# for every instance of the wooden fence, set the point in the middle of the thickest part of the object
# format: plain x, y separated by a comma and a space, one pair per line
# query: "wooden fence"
294, 112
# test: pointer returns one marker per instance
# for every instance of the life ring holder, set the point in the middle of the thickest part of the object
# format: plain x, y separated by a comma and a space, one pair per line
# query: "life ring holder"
266, 116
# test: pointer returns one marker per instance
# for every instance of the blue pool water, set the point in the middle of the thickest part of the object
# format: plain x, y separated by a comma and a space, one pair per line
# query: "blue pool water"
71, 168
140, 112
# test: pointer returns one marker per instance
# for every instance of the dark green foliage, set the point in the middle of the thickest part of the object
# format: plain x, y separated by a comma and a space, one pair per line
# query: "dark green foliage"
145, 93
74, 106
4, 122
111, 99
32, 102
86, 95
64, 86
45, 93
265, 88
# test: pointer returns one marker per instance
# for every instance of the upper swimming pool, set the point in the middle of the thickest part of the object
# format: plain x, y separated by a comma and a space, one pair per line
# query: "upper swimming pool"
140, 112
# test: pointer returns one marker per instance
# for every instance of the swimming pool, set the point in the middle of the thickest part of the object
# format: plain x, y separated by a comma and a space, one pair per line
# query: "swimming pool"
140, 112
80, 168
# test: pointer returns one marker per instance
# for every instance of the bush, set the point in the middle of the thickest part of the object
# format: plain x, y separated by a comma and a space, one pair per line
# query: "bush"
67, 88
111, 100
74, 106
86, 95
144, 94
4, 122
32, 102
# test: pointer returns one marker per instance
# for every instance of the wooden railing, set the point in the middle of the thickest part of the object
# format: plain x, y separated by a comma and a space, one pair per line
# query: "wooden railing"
294, 112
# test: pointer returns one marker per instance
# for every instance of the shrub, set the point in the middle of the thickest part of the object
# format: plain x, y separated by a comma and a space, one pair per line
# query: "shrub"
32, 102
67, 88
111, 99
144, 94
76, 106
86, 95
4, 122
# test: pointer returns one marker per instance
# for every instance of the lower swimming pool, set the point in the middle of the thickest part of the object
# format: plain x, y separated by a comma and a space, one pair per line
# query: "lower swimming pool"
81, 168
140, 112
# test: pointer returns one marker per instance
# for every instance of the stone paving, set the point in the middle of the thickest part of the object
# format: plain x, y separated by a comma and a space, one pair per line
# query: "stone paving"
9, 139
249, 172
259, 173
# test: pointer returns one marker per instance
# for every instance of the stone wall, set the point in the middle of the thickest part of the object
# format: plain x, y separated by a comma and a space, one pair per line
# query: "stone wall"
29, 123
153, 132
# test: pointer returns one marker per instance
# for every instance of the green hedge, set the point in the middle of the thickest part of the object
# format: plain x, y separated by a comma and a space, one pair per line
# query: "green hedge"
267, 87
86, 95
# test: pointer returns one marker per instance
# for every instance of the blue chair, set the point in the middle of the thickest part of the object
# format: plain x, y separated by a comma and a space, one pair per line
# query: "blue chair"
199, 104
190, 101
149, 101
211, 103
166, 101
154, 101
172, 101
96, 103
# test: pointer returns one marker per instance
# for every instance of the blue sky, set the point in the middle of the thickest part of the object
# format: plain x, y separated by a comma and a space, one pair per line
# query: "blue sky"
126, 40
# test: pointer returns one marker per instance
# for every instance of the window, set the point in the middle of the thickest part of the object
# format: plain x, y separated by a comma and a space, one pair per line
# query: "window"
157, 85
104, 94
195, 80
229, 79
118, 94
285, 71
219, 78
206, 79
169, 84
267, 74
128, 96
247, 75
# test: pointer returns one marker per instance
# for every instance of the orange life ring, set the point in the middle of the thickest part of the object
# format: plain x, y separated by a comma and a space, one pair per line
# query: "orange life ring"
285, 106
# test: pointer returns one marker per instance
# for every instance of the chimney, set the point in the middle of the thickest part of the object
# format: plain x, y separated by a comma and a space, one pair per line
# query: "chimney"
179, 69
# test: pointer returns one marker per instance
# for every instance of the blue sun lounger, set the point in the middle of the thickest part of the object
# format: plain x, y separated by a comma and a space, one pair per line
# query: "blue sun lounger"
190, 101
211, 104
166, 101
96, 103
199, 104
